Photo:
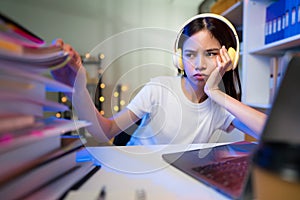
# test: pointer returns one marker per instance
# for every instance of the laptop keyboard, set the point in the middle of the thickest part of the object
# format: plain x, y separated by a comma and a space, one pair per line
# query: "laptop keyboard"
228, 176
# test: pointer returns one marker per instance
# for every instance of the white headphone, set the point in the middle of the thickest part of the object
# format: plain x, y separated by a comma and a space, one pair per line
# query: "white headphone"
233, 52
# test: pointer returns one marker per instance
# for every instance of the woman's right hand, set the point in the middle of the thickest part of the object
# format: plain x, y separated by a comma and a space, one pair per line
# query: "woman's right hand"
67, 74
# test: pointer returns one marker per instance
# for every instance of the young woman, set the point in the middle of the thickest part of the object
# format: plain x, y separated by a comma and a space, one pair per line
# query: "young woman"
184, 109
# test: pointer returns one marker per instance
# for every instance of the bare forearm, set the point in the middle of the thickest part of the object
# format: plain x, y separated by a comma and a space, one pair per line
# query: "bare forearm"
252, 118
86, 110
103, 129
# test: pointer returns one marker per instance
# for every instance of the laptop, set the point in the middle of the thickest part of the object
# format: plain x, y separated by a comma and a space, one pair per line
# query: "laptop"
227, 168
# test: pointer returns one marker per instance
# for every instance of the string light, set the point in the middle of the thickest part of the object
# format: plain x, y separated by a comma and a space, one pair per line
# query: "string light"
64, 99
101, 99
124, 88
101, 56
116, 108
58, 115
102, 85
87, 55
116, 94
122, 102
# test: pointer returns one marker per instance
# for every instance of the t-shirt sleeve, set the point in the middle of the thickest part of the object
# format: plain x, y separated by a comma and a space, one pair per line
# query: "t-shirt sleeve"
141, 104
228, 119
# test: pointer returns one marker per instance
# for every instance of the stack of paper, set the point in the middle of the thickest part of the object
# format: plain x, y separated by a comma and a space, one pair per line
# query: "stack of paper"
31, 151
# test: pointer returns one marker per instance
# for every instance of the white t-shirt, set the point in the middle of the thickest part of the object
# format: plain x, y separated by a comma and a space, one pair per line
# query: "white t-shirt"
170, 118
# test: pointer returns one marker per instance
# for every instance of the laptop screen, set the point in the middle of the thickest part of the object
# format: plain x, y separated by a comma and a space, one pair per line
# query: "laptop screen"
285, 111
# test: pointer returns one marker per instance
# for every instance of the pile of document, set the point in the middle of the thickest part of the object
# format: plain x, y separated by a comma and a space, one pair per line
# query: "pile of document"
35, 159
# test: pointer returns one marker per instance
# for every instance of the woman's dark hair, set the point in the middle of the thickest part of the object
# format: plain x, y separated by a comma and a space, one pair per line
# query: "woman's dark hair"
222, 32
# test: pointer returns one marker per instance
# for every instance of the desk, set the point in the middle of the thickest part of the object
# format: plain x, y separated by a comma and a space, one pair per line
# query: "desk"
126, 169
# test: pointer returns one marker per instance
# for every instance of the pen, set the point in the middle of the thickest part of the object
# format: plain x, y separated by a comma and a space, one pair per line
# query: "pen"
102, 193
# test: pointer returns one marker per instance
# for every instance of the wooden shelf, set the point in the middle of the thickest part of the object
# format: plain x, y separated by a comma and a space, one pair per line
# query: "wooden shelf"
235, 14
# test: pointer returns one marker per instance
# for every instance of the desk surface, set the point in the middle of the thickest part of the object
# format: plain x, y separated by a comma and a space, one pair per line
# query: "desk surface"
127, 169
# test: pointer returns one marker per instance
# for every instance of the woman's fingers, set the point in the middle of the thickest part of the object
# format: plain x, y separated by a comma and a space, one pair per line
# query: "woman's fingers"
225, 61
75, 61
68, 48
225, 54
58, 42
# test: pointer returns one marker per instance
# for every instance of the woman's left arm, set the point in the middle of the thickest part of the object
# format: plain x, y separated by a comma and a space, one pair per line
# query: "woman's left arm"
247, 116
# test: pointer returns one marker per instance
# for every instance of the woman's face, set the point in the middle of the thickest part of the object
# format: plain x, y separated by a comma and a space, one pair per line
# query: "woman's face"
199, 55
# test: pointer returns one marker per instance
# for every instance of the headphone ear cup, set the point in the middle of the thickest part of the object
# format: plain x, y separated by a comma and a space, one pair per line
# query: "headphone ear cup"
177, 59
232, 54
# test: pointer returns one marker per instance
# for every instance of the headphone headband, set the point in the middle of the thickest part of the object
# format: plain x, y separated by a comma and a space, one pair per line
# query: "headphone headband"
215, 16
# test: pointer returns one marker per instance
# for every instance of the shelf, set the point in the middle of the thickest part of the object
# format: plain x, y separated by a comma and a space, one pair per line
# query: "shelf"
235, 13
279, 47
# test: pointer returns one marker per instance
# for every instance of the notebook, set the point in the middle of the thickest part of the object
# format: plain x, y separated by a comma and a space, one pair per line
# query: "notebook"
227, 168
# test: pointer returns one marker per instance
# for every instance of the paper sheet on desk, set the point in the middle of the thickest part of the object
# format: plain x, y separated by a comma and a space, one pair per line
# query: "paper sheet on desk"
166, 183
133, 159
138, 159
